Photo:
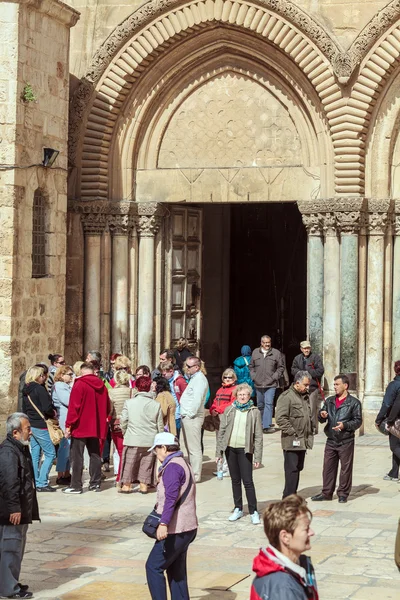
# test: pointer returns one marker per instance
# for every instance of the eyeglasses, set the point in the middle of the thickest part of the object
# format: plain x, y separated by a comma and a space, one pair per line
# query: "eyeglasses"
227, 377
60, 362
70, 374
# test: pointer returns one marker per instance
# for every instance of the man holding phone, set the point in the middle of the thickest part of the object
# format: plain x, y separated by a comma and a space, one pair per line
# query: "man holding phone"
343, 415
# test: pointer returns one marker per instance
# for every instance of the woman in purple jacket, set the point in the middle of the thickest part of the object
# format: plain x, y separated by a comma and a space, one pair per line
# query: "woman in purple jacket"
176, 502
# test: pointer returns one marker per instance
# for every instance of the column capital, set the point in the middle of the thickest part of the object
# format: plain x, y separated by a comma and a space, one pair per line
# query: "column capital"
93, 223
120, 224
377, 217
148, 220
332, 215
396, 217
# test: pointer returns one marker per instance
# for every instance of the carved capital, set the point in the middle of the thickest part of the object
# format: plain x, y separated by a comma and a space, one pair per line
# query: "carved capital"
377, 217
120, 224
349, 222
329, 224
93, 223
312, 223
149, 218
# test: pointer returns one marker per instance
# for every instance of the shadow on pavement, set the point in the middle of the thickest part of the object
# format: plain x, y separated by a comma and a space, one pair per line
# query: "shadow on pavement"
358, 491
217, 593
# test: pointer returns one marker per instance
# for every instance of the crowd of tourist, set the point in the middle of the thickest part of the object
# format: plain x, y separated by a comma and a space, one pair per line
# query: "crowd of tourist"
143, 413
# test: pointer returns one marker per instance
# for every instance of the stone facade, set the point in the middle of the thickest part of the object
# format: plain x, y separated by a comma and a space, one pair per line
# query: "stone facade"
35, 51
175, 106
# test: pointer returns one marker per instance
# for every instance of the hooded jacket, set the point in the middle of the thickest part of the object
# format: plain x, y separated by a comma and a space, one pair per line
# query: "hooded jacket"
278, 578
241, 367
223, 398
17, 490
40, 398
88, 409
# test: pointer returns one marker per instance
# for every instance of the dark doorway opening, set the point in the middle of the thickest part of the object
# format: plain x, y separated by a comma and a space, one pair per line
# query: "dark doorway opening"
268, 277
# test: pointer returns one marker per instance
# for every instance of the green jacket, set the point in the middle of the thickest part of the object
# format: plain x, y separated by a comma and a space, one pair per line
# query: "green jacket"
254, 432
293, 416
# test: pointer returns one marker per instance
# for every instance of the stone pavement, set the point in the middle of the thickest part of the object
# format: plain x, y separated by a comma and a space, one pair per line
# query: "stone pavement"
90, 547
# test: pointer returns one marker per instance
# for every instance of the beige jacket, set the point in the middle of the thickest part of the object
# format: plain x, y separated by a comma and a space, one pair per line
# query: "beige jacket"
168, 408
118, 397
254, 432
141, 420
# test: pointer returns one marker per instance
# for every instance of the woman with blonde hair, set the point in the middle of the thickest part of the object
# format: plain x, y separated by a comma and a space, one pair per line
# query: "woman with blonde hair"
36, 399
118, 396
77, 368
60, 394
122, 363
241, 438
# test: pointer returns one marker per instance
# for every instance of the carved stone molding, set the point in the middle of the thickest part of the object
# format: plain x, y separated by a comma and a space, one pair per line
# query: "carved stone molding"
333, 215
396, 217
378, 216
97, 215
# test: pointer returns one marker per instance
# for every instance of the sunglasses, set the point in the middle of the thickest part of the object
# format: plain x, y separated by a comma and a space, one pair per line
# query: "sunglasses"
227, 377
60, 362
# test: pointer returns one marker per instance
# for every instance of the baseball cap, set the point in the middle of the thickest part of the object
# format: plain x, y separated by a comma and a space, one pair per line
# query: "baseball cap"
164, 439
305, 344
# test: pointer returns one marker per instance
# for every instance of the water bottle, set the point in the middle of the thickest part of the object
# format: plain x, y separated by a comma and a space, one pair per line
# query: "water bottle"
220, 472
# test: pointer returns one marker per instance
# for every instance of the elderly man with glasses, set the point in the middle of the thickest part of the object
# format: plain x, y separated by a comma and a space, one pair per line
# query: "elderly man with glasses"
192, 413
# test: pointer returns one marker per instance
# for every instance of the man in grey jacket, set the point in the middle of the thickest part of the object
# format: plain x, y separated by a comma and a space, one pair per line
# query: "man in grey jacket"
192, 413
266, 368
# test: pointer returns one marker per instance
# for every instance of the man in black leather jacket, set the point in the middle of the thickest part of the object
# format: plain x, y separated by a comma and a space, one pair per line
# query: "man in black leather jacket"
18, 503
343, 415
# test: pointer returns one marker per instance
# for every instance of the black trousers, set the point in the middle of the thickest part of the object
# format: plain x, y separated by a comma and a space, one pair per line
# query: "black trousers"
241, 469
394, 443
332, 456
76, 457
293, 464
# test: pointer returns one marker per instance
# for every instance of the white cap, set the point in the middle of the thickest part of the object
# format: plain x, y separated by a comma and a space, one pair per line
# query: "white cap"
164, 439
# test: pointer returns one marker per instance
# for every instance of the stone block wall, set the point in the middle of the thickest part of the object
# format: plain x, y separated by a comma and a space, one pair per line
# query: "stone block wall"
35, 51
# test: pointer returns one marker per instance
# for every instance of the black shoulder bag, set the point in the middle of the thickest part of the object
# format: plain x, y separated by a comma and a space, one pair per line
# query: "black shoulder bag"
152, 521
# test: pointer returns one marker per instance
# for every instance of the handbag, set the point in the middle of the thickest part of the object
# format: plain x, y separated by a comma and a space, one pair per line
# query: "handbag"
211, 423
53, 427
152, 521
395, 428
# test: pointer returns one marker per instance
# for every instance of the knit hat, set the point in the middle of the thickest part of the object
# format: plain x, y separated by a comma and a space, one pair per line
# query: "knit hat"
245, 351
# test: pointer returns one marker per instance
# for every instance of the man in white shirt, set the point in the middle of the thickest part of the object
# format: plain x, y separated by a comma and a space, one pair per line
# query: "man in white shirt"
192, 413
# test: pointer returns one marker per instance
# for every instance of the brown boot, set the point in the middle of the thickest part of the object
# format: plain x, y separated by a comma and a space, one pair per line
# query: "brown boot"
125, 489
143, 488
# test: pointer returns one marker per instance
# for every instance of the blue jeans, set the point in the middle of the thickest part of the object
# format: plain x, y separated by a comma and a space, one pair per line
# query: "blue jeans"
265, 404
41, 442
178, 424
169, 555
63, 456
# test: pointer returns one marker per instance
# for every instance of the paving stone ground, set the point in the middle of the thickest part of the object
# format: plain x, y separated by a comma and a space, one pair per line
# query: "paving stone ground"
91, 547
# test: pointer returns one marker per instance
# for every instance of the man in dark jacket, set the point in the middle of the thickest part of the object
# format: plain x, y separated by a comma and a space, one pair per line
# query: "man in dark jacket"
293, 416
390, 409
266, 369
343, 415
86, 424
18, 504
311, 362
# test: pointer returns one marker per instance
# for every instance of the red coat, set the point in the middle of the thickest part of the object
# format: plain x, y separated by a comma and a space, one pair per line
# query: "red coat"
223, 398
89, 407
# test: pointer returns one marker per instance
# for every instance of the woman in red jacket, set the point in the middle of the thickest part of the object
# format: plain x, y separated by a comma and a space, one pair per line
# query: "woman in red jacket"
223, 399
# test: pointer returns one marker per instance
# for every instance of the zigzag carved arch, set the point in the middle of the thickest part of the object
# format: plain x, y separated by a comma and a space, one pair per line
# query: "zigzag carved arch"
155, 25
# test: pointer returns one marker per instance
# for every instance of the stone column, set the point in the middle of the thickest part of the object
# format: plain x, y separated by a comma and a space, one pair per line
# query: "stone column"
93, 227
315, 278
396, 286
148, 223
377, 218
349, 225
331, 298
105, 324
120, 225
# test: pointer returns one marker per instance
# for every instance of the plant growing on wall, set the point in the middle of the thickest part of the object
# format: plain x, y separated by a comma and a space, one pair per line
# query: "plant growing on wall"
28, 94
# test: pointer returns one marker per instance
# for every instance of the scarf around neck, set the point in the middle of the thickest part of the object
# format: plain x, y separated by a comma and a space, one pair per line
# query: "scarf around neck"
243, 407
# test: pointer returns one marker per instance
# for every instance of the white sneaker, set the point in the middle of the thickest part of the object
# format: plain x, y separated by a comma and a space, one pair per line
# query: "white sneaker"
237, 514
255, 518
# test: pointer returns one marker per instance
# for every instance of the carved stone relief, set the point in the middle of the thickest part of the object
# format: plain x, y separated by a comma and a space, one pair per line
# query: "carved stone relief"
231, 121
